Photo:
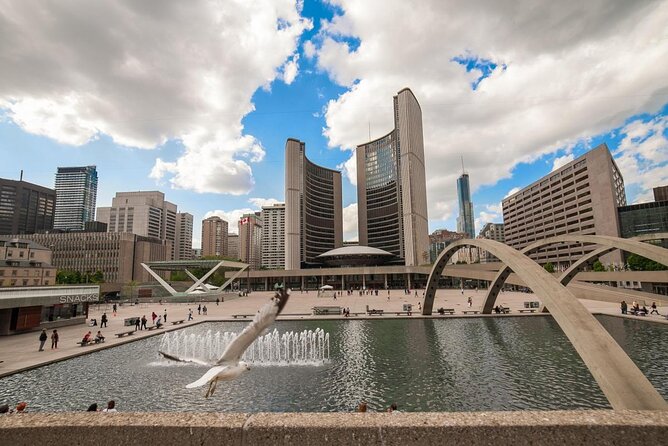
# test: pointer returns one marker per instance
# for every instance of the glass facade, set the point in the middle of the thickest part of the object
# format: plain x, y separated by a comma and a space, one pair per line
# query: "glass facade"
642, 219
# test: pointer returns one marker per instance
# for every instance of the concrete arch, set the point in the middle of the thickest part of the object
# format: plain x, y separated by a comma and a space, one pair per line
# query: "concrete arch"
635, 245
619, 378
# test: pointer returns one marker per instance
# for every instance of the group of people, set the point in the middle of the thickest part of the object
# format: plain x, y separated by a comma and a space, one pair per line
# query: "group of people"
20, 408
43, 337
88, 338
111, 407
636, 310
362, 407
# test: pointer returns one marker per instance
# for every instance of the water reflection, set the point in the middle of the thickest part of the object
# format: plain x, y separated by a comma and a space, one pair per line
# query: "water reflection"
422, 365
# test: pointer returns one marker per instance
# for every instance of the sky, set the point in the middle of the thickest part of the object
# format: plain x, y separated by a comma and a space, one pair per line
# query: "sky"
196, 99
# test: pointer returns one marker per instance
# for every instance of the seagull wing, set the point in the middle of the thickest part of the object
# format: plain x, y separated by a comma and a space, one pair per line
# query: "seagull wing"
263, 319
179, 359
208, 376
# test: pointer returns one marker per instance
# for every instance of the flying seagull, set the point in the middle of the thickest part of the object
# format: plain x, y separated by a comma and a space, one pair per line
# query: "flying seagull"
230, 365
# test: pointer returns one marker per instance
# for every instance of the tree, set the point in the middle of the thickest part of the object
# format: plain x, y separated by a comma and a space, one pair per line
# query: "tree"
640, 263
598, 266
549, 267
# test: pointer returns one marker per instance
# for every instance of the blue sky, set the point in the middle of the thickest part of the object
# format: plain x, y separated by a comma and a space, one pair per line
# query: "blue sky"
206, 122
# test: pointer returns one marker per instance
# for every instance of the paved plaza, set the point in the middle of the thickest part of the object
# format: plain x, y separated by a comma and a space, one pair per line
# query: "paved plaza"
20, 352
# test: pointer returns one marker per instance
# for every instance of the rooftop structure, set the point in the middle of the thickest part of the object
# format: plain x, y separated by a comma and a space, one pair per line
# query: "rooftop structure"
355, 256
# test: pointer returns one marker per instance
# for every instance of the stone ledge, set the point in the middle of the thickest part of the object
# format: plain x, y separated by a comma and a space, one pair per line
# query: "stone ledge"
462, 428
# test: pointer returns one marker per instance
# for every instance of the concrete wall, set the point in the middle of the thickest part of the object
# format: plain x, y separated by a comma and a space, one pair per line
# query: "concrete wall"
627, 428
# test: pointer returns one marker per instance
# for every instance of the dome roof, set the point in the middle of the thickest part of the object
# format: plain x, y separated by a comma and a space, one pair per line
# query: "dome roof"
355, 250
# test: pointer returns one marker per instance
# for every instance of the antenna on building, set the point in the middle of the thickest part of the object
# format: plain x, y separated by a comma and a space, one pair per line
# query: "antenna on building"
21, 177
463, 171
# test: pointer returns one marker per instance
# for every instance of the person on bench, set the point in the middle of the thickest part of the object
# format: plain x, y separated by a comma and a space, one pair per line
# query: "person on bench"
98, 337
86, 339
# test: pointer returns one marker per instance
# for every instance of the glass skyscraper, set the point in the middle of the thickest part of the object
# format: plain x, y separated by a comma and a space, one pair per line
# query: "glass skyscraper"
76, 194
465, 222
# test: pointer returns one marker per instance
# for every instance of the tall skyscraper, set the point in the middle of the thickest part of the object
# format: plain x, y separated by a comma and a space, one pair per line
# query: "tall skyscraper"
25, 208
313, 208
273, 236
233, 246
391, 186
145, 213
250, 240
76, 193
183, 248
580, 197
214, 237
465, 221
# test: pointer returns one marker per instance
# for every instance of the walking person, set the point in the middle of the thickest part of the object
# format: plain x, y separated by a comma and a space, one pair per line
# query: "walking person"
42, 340
153, 316
217, 301
137, 324
143, 322
114, 308
204, 310
190, 314
165, 316
199, 309
54, 339
654, 310
624, 307
103, 320
470, 301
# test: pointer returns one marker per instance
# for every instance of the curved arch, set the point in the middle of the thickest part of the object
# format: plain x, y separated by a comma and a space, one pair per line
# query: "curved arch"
634, 245
619, 378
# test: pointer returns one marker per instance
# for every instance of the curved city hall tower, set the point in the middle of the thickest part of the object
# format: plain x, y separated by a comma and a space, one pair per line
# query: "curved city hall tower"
391, 186
313, 208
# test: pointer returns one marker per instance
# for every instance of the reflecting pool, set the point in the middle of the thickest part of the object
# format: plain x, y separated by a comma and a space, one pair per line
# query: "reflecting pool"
465, 364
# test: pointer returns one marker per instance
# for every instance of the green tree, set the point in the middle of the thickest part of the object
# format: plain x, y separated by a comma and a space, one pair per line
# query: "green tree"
598, 266
640, 263
549, 267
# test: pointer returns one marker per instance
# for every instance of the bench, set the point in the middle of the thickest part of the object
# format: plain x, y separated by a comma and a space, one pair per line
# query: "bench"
319, 311
241, 315
446, 310
527, 310
407, 313
123, 333
504, 310
471, 311
376, 312
151, 327
81, 343
178, 322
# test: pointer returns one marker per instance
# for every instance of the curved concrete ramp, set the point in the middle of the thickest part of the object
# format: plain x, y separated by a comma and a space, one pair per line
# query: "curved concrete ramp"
635, 246
621, 381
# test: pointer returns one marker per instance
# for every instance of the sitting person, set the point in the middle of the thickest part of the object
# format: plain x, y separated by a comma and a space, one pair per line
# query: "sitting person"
98, 337
86, 339
643, 311
497, 309
441, 310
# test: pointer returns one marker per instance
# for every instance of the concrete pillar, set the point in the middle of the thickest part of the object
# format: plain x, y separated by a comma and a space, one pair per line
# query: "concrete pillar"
385, 281
408, 280
302, 283
343, 282
363, 282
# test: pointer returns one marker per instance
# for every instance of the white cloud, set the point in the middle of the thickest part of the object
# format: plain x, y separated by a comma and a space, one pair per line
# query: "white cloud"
642, 156
291, 69
566, 71
512, 191
309, 49
487, 217
231, 217
259, 202
562, 161
350, 223
349, 169
494, 208
147, 72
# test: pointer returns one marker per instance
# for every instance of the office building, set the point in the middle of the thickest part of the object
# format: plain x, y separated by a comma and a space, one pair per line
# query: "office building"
25, 263
273, 236
313, 208
183, 246
645, 219
144, 213
233, 246
580, 197
118, 255
391, 187
250, 240
465, 220
25, 208
76, 194
215, 237
440, 239
491, 231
